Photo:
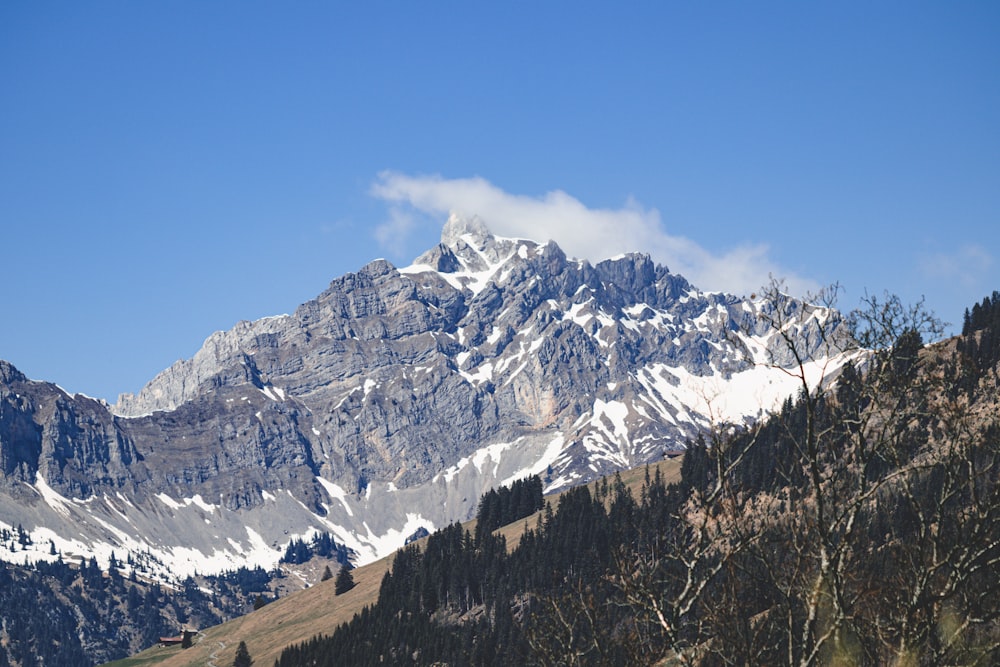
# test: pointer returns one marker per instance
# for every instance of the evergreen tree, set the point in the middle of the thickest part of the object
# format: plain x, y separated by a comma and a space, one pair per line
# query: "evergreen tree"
327, 575
243, 658
345, 581
508, 504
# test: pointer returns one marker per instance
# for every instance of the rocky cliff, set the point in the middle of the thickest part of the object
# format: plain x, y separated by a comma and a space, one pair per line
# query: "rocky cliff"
389, 404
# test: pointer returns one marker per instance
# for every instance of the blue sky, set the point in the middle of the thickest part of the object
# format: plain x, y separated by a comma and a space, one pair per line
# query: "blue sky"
170, 168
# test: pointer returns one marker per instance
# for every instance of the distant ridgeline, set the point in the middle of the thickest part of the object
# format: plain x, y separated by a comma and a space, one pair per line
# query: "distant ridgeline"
859, 524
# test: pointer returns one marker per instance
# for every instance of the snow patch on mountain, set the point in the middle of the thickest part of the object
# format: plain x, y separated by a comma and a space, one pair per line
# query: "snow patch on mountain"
336, 492
392, 401
51, 497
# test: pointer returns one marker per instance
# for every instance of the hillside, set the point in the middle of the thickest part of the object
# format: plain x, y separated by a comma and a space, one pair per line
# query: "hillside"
316, 610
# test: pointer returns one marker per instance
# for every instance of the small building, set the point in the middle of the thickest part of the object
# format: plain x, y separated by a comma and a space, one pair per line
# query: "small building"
179, 639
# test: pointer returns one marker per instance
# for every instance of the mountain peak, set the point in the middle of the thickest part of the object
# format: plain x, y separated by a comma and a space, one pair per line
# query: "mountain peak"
362, 410
458, 226
468, 254
10, 374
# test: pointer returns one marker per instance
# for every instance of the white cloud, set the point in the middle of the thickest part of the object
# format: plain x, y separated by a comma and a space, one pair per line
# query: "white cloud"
968, 265
582, 232
392, 233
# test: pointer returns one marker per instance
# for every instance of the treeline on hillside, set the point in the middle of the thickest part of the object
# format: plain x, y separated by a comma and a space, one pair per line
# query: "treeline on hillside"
56, 613
858, 525
980, 341
499, 507
321, 545
462, 599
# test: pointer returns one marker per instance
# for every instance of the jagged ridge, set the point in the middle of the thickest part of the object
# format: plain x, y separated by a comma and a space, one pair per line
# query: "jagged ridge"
390, 403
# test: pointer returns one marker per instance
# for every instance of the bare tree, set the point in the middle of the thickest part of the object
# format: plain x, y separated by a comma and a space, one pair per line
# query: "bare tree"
566, 629
858, 524
877, 538
891, 551
666, 578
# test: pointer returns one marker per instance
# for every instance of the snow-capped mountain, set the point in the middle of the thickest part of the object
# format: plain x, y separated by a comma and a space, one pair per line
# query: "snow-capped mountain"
388, 404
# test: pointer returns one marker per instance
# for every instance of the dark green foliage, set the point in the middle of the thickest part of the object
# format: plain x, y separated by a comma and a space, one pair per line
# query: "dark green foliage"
980, 341
985, 315
242, 658
43, 625
297, 552
79, 615
327, 575
499, 507
344, 582
323, 545
58, 614
459, 576
696, 466
247, 582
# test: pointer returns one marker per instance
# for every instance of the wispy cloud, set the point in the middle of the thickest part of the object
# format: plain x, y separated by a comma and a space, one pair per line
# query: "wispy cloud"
392, 233
583, 232
967, 265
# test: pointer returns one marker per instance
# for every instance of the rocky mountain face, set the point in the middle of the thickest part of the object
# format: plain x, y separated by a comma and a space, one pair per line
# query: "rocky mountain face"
389, 404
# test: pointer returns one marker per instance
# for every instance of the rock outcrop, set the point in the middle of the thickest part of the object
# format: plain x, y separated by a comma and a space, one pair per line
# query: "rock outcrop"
388, 404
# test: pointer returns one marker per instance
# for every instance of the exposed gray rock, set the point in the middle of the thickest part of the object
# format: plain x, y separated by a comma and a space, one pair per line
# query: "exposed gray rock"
387, 404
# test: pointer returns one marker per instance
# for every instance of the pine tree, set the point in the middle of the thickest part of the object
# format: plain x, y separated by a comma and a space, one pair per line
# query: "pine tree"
327, 575
243, 658
345, 581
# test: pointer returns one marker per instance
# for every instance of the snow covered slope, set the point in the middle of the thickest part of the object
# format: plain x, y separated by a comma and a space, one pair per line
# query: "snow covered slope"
390, 403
